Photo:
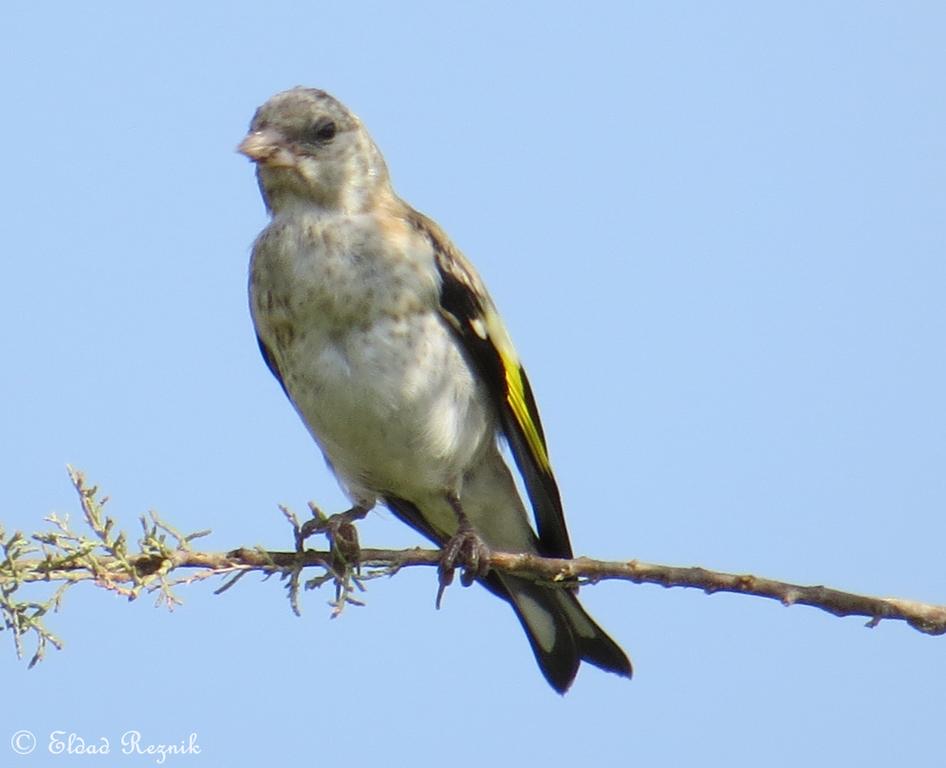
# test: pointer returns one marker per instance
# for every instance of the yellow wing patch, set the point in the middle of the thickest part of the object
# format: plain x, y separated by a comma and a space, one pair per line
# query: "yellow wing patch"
516, 392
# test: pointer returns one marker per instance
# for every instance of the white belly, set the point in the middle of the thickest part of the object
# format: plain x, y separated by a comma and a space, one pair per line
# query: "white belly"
393, 406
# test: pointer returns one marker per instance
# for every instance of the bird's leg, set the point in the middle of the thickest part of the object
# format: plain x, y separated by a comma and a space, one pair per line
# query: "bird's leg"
465, 548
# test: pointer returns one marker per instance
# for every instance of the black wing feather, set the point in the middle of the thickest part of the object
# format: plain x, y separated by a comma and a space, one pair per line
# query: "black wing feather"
271, 363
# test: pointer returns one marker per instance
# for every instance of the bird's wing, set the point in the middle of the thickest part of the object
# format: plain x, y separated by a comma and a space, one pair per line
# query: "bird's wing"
271, 363
470, 313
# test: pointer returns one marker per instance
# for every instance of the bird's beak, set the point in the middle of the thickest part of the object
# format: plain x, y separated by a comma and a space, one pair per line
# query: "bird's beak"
267, 147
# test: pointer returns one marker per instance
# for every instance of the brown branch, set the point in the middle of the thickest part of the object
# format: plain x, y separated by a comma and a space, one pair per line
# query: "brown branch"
927, 618
61, 555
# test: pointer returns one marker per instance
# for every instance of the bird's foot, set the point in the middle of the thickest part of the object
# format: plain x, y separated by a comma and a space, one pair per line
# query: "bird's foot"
467, 550
339, 529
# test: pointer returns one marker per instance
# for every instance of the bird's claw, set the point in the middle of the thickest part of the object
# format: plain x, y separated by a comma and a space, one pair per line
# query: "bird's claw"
468, 551
309, 528
339, 529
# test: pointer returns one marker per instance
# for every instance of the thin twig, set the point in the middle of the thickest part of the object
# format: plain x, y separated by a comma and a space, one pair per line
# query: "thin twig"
927, 618
65, 557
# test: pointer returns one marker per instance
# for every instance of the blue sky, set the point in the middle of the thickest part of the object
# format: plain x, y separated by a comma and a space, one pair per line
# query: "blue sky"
717, 234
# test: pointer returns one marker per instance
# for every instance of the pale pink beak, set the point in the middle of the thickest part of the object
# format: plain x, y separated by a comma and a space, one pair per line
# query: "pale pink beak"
267, 148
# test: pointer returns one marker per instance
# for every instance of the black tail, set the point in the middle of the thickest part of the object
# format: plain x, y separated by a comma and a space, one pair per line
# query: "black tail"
560, 631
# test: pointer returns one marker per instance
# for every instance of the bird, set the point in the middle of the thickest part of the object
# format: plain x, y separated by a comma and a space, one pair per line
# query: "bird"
387, 343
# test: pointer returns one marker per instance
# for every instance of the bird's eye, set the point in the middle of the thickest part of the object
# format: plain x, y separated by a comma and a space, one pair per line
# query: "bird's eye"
323, 131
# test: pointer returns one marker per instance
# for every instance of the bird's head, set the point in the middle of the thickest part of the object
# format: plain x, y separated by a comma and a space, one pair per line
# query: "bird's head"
309, 149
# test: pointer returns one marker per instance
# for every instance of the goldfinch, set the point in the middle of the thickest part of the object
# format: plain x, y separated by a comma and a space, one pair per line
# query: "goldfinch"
387, 343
